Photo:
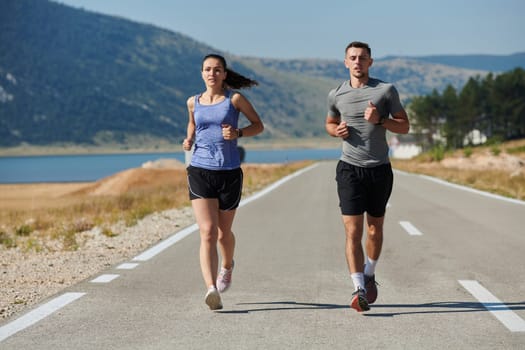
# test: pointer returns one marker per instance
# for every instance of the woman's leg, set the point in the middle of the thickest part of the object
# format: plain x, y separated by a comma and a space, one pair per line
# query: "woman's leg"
206, 213
226, 237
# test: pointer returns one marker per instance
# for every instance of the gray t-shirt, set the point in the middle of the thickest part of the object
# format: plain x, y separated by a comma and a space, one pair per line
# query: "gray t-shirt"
366, 146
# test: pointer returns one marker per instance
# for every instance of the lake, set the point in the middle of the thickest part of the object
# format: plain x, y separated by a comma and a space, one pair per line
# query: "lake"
92, 167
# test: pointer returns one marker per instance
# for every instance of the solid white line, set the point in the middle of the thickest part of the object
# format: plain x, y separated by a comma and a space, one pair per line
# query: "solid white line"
276, 184
127, 266
156, 249
465, 188
104, 278
411, 229
506, 316
37, 314
59, 302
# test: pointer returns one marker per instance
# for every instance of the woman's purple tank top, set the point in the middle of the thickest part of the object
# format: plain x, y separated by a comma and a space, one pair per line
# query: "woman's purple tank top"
211, 150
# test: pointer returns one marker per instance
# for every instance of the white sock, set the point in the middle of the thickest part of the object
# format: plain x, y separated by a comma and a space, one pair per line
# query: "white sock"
359, 280
370, 267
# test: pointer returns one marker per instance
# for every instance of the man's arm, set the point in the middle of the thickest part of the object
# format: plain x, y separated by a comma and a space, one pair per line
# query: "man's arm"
335, 127
398, 124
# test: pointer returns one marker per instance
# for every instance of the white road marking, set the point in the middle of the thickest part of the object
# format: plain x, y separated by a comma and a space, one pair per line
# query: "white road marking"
464, 188
411, 229
37, 314
276, 184
104, 278
506, 316
156, 249
127, 266
59, 302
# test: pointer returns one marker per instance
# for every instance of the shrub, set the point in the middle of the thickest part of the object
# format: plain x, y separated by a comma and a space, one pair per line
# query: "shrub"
495, 150
437, 153
24, 230
6, 240
516, 150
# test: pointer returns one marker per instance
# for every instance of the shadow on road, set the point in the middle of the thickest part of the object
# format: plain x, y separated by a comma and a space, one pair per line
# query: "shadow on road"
444, 307
284, 305
426, 308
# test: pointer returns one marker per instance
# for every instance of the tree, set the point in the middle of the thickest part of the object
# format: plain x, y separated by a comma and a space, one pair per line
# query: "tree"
425, 111
509, 104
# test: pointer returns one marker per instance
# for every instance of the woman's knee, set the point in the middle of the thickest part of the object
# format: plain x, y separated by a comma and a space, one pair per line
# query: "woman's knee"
208, 233
226, 236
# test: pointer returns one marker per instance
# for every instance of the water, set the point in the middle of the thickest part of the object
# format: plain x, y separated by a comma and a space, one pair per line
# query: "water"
80, 168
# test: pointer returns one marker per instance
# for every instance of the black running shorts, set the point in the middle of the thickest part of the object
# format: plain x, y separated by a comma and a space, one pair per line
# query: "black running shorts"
225, 185
363, 189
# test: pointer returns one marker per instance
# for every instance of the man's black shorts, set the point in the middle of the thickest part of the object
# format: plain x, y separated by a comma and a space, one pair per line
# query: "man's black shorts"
225, 185
363, 189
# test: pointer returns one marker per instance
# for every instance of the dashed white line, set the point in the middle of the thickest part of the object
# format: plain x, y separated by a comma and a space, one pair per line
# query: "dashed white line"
506, 316
59, 302
37, 314
127, 266
411, 229
104, 278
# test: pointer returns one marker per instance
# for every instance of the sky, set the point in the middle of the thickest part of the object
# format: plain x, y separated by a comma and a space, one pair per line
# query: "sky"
290, 29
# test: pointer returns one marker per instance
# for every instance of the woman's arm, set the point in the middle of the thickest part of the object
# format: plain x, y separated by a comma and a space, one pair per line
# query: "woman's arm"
190, 131
242, 104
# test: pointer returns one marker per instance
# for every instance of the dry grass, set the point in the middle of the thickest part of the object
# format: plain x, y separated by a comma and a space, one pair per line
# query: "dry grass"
34, 213
499, 169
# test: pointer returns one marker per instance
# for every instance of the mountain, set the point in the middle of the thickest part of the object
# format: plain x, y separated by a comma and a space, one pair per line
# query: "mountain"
493, 63
411, 76
69, 76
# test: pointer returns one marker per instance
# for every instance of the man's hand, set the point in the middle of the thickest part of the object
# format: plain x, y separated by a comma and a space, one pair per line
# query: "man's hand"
342, 130
371, 113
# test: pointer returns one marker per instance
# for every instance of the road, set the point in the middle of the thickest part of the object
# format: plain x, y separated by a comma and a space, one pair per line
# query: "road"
452, 275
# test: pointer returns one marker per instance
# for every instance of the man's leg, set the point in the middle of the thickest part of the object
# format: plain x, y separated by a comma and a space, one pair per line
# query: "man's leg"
354, 249
374, 243
355, 259
374, 238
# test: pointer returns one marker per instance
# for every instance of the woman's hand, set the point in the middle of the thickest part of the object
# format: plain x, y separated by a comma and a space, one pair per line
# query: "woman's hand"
186, 144
229, 132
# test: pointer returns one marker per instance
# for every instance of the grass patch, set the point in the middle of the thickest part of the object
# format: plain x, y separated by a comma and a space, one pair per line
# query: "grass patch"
85, 211
6, 240
494, 180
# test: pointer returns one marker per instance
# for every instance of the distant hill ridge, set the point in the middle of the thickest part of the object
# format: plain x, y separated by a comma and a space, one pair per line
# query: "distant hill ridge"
69, 76
493, 63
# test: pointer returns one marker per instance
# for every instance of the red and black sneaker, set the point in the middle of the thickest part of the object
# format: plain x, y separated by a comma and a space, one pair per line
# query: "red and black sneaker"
359, 302
371, 288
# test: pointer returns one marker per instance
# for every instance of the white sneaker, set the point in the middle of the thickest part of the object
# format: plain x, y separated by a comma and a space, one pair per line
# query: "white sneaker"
213, 299
224, 280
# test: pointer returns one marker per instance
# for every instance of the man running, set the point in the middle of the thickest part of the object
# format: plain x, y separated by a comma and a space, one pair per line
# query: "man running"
360, 111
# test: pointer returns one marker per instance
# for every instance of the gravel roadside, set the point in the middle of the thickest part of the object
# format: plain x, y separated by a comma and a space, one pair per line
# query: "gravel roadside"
29, 277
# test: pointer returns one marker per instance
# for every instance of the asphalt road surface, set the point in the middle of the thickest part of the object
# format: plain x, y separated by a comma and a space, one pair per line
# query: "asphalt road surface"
452, 276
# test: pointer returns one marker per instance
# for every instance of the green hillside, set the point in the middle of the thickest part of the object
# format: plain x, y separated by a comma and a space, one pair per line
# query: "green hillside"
68, 76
